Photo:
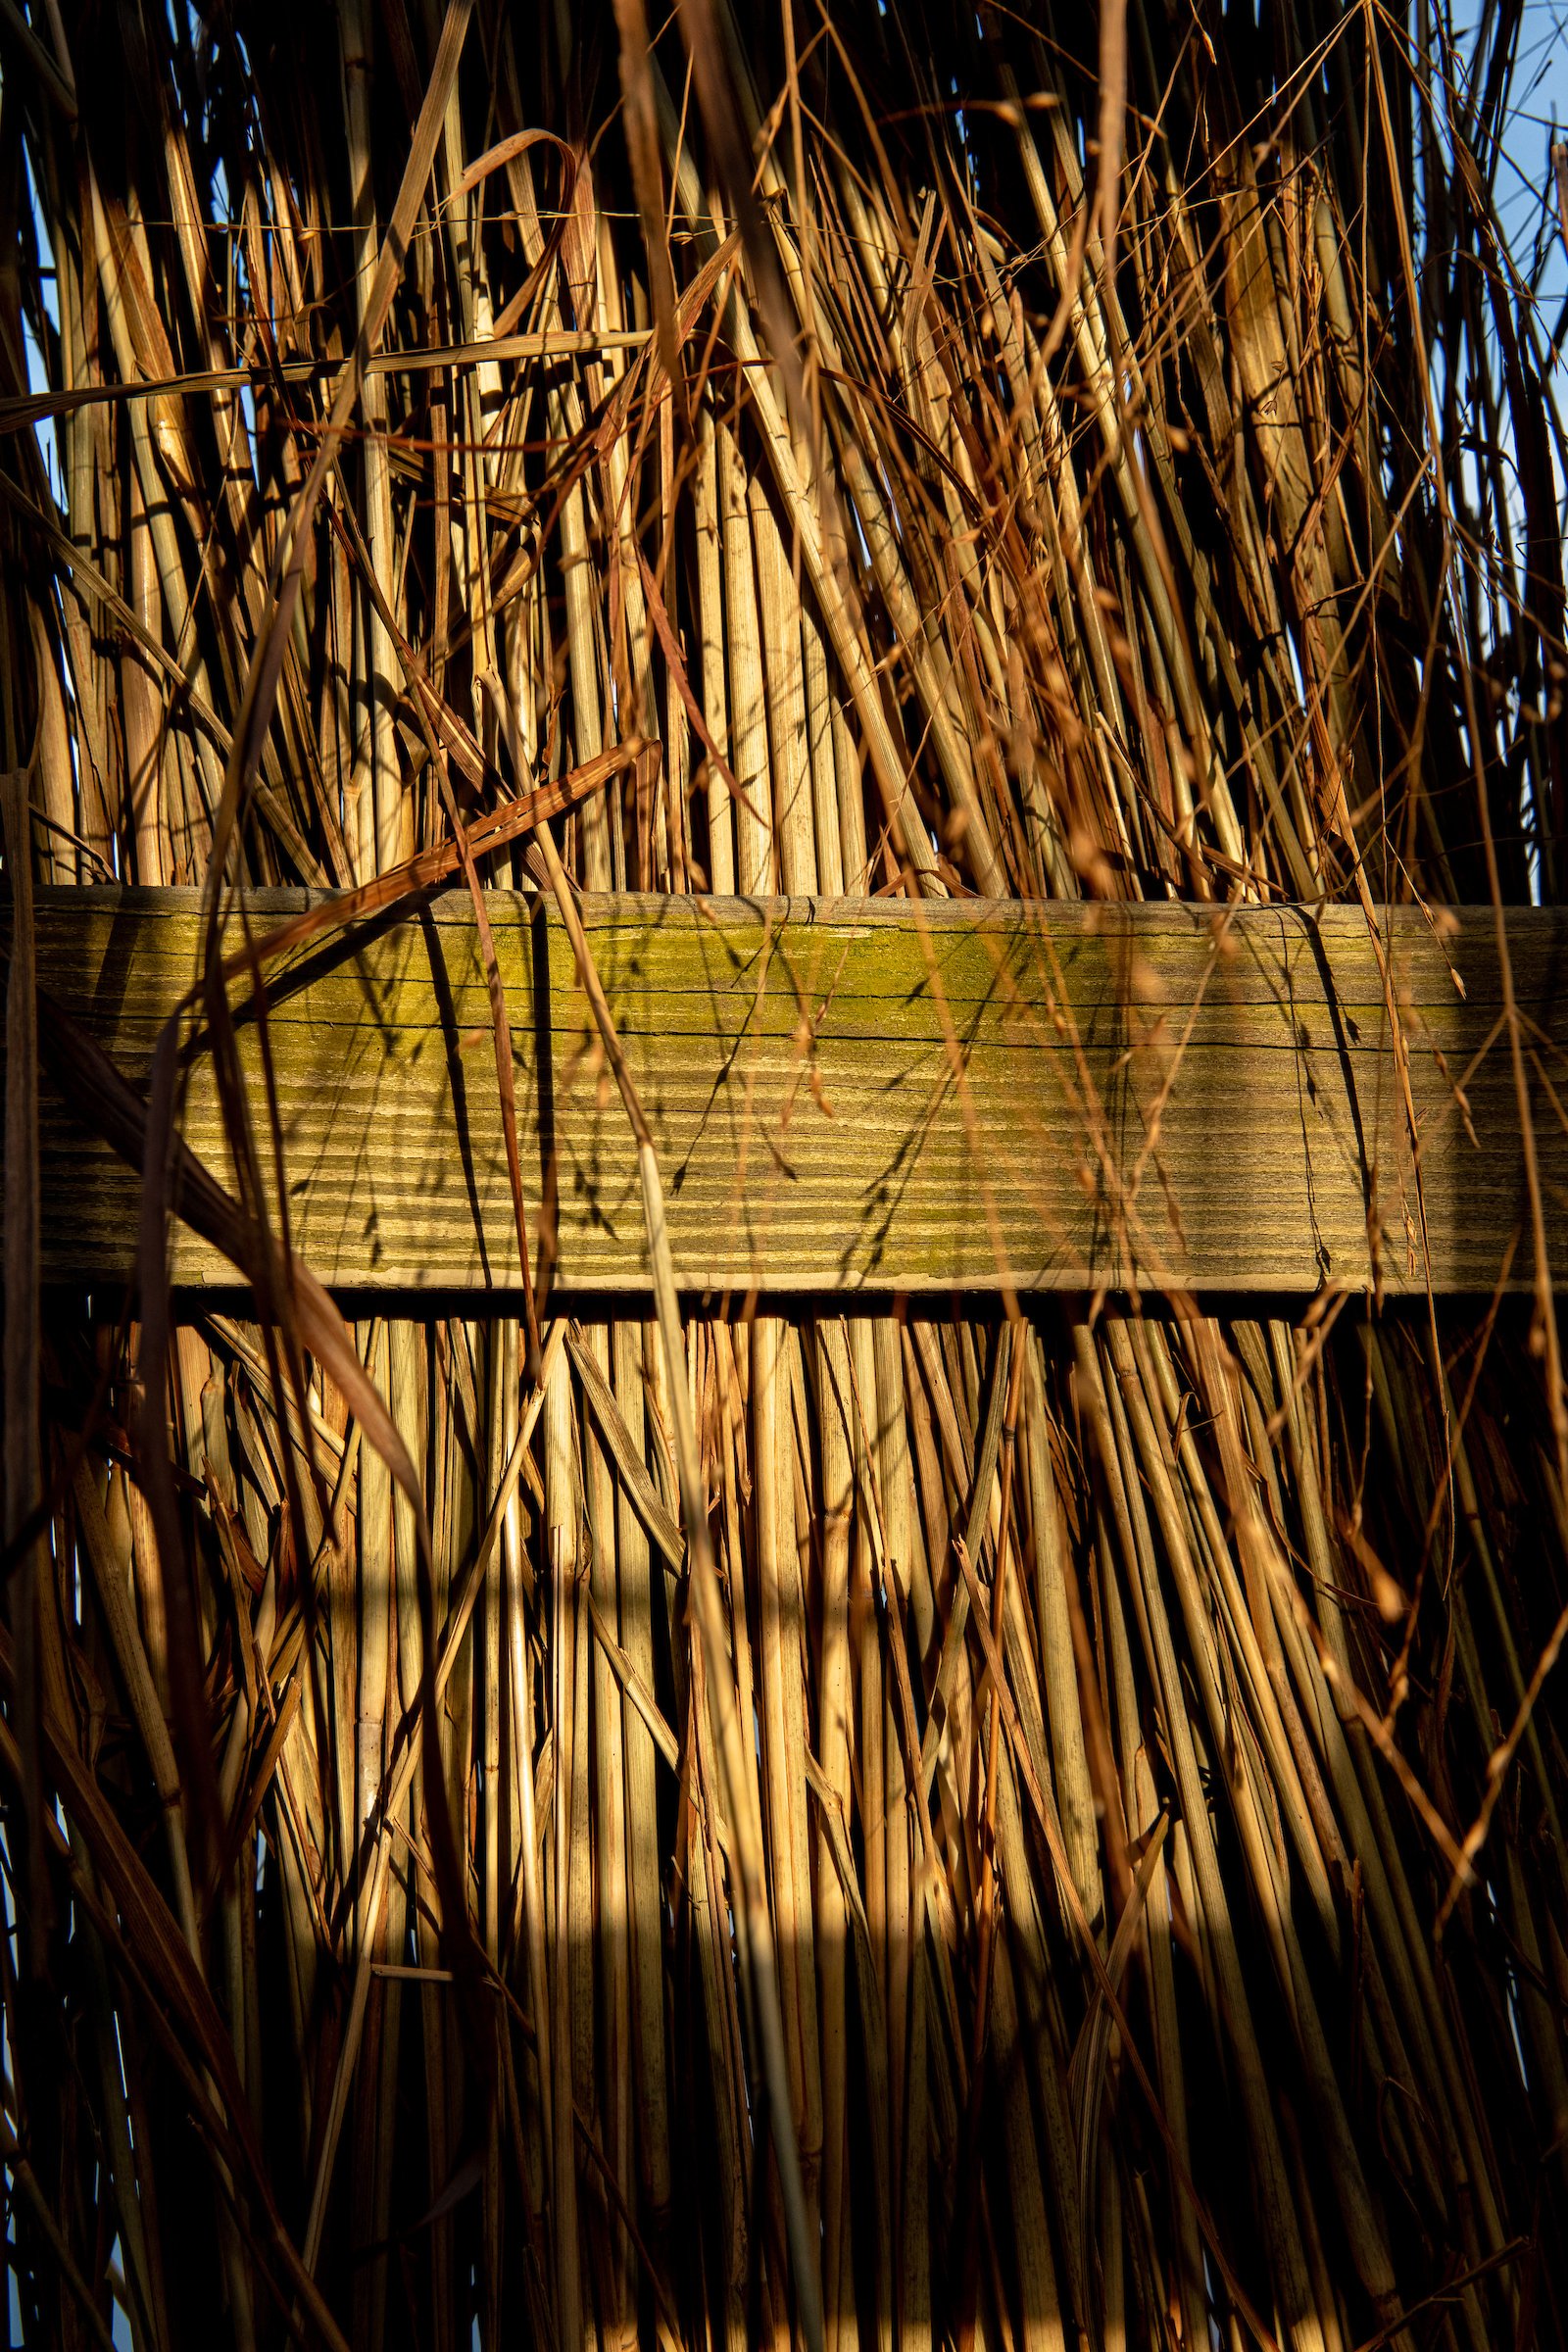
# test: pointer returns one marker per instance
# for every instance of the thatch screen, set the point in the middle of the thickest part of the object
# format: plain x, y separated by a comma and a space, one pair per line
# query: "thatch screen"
1030, 1820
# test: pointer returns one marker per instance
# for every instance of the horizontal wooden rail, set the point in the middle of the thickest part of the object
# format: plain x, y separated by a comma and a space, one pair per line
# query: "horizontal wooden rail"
848, 1096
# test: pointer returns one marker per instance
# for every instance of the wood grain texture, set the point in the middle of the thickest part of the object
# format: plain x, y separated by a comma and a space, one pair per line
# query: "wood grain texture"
851, 1096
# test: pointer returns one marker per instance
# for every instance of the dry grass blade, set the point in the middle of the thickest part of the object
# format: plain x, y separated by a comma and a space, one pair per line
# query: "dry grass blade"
21, 1338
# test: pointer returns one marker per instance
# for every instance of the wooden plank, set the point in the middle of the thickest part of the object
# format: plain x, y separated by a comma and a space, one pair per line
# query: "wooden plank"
855, 1096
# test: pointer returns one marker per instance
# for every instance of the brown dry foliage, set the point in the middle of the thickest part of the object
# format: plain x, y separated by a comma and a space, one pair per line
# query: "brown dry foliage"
1105, 1700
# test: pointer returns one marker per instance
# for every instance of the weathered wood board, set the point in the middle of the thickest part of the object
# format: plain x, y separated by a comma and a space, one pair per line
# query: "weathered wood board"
851, 1096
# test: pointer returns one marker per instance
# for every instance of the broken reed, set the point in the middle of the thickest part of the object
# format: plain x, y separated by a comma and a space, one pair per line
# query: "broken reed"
1119, 1688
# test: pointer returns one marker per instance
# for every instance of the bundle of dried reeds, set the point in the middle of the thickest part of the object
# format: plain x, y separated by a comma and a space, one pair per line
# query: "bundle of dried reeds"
869, 1828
